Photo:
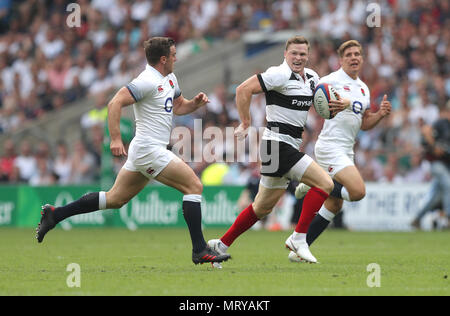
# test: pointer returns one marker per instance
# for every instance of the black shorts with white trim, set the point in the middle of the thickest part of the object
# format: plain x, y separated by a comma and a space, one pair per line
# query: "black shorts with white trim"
277, 158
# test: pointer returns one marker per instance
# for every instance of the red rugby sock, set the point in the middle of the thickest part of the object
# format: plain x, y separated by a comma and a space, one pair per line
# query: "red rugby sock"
246, 219
311, 205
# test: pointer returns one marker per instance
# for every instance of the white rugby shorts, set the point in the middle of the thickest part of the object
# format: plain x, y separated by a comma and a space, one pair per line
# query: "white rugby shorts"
333, 160
148, 159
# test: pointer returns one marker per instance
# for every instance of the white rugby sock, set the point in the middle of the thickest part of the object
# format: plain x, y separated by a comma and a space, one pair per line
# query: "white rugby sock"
298, 236
326, 214
193, 198
101, 200
345, 194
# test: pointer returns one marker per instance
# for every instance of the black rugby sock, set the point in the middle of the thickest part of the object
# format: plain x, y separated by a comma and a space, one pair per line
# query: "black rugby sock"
318, 225
193, 216
86, 204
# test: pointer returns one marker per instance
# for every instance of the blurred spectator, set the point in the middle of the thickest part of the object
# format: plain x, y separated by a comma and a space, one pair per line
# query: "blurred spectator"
217, 99
7, 162
419, 170
84, 167
25, 162
42, 175
140, 9
437, 143
103, 83
44, 65
63, 164
96, 116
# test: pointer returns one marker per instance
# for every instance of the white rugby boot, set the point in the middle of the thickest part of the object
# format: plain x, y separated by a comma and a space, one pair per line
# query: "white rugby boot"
300, 247
293, 257
220, 247
301, 190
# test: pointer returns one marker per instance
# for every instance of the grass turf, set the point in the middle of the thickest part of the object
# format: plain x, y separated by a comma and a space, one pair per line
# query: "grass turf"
158, 262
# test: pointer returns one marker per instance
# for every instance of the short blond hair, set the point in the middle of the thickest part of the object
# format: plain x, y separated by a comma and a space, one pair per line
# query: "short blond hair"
348, 44
298, 39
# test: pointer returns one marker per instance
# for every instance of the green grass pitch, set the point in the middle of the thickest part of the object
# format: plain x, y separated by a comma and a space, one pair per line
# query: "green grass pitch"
158, 262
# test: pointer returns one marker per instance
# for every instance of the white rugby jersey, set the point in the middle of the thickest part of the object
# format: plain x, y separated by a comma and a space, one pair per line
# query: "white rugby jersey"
153, 110
288, 99
341, 130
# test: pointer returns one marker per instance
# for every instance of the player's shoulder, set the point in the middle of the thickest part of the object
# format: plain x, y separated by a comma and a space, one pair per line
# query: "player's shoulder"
143, 85
281, 71
331, 77
145, 76
276, 76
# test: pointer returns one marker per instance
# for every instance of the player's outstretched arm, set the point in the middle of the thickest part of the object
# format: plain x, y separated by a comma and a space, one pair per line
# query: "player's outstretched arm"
371, 119
182, 106
122, 98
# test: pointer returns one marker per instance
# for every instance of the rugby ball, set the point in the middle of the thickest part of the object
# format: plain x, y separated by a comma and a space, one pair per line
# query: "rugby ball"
323, 94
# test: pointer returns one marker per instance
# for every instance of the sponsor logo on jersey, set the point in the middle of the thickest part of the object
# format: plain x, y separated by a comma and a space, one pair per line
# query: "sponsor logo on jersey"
301, 103
160, 88
347, 88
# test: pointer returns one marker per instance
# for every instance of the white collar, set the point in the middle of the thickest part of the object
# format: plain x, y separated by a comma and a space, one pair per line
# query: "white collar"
153, 69
346, 76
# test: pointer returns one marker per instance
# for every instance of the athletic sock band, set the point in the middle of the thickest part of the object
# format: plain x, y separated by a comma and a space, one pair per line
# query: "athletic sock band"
345, 195
102, 200
193, 198
326, 213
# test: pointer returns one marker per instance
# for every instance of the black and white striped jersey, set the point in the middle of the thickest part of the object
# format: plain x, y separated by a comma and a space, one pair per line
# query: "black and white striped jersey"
288, 99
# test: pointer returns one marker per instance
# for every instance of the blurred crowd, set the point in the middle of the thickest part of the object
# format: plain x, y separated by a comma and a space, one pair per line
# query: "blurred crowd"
46, 65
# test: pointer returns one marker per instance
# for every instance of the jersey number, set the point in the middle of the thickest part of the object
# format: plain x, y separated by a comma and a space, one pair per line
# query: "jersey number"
168, 105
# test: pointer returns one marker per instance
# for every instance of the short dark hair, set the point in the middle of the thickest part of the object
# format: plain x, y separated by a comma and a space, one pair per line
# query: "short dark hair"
156, 47
298, 39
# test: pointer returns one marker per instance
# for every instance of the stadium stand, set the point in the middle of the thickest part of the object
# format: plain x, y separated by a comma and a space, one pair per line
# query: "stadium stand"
51, 74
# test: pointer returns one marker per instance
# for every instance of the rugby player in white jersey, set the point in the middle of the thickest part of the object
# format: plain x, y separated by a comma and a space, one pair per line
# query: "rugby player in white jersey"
155, 96
334, 146
288, 88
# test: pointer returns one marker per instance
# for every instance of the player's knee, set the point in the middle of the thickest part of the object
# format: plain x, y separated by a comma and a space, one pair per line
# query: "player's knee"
195, 187
261, 211
326, 185
358, 194
114, 202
